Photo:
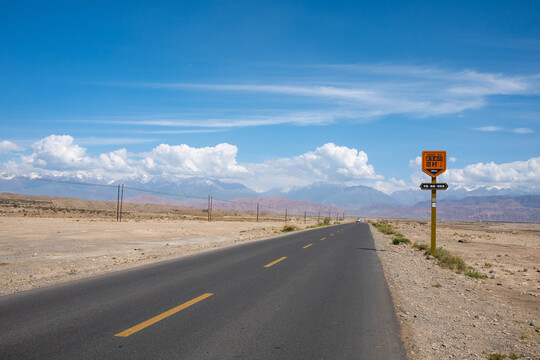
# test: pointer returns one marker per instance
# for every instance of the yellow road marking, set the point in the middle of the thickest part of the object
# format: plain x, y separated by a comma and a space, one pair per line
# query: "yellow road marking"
331, 234
307, 246
155, 319
323, 239
275, 262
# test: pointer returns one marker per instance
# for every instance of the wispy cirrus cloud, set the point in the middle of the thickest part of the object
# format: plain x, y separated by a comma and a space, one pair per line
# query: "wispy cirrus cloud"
502, 129
214, 124
352, 92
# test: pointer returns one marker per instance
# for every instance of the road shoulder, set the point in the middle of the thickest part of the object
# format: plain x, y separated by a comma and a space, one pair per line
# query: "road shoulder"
444, 315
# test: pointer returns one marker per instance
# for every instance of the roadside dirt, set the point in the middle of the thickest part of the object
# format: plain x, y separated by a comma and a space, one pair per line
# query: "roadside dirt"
445, 315
36, 252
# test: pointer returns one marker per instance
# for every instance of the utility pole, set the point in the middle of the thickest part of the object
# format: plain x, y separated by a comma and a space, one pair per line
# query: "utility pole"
121, 202
118, 205
208, 208
305, 213
285, 215
318, 217
257, 212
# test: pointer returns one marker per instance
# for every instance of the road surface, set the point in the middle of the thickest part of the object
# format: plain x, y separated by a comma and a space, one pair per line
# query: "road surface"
318, 294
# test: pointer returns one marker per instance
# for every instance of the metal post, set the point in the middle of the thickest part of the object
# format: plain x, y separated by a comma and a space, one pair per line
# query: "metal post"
285, 215
211, 207
118, 204
208, 210
433, 217
257, 212
121, 202
319, 217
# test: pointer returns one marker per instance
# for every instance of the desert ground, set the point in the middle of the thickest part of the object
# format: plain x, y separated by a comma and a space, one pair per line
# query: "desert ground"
443, 315
45, 240
446, 315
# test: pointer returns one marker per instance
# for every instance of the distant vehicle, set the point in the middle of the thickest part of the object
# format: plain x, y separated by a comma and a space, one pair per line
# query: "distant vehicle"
358, 220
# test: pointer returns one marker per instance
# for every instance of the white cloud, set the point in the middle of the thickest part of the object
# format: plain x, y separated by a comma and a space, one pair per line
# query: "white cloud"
8, 146
490, 128
416, 163
328, 163
452, 159
391, 185
502, 129
59, 155
357, 92
57, 152
523, 131
184, 160
507, 175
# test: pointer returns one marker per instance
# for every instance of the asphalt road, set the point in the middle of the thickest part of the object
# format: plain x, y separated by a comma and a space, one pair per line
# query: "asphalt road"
318, 294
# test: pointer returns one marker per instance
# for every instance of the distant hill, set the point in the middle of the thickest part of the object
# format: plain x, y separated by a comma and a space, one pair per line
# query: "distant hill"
481, 208
453, 204
346, 197
177, 188
413, 196
272, 204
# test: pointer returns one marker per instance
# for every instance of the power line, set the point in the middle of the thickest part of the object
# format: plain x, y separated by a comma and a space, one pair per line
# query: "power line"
184, 196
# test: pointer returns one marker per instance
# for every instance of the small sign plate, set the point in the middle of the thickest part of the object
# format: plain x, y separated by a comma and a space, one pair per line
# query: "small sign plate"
434, 186
434, 162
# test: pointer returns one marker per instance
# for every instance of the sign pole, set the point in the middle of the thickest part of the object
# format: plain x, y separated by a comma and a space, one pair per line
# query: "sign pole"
433, 217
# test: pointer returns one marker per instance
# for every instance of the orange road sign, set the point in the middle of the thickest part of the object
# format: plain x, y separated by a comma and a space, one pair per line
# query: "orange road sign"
434, 162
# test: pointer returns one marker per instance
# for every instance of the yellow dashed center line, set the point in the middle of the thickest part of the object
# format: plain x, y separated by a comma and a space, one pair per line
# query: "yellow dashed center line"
155, 319
305, 247
331, 234
275, 262
323, 239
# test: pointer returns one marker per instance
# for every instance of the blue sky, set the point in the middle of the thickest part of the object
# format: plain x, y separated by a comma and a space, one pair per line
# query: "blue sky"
347, 92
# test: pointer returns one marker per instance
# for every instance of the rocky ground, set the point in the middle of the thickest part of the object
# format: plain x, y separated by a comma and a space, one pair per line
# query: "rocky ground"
445, 315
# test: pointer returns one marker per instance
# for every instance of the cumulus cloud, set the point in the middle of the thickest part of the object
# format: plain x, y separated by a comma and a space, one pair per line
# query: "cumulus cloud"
184, 160
8, 146
505, 175
60, 155
328, 163
391, 185
57, 152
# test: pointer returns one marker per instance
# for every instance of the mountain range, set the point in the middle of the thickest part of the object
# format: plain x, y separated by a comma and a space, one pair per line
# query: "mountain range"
456, 203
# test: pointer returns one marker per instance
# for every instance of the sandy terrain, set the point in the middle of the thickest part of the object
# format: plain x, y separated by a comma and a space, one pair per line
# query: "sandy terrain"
36, 252
445, 315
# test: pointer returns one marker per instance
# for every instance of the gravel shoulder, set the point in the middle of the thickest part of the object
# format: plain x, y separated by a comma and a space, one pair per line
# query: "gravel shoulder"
445, 315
